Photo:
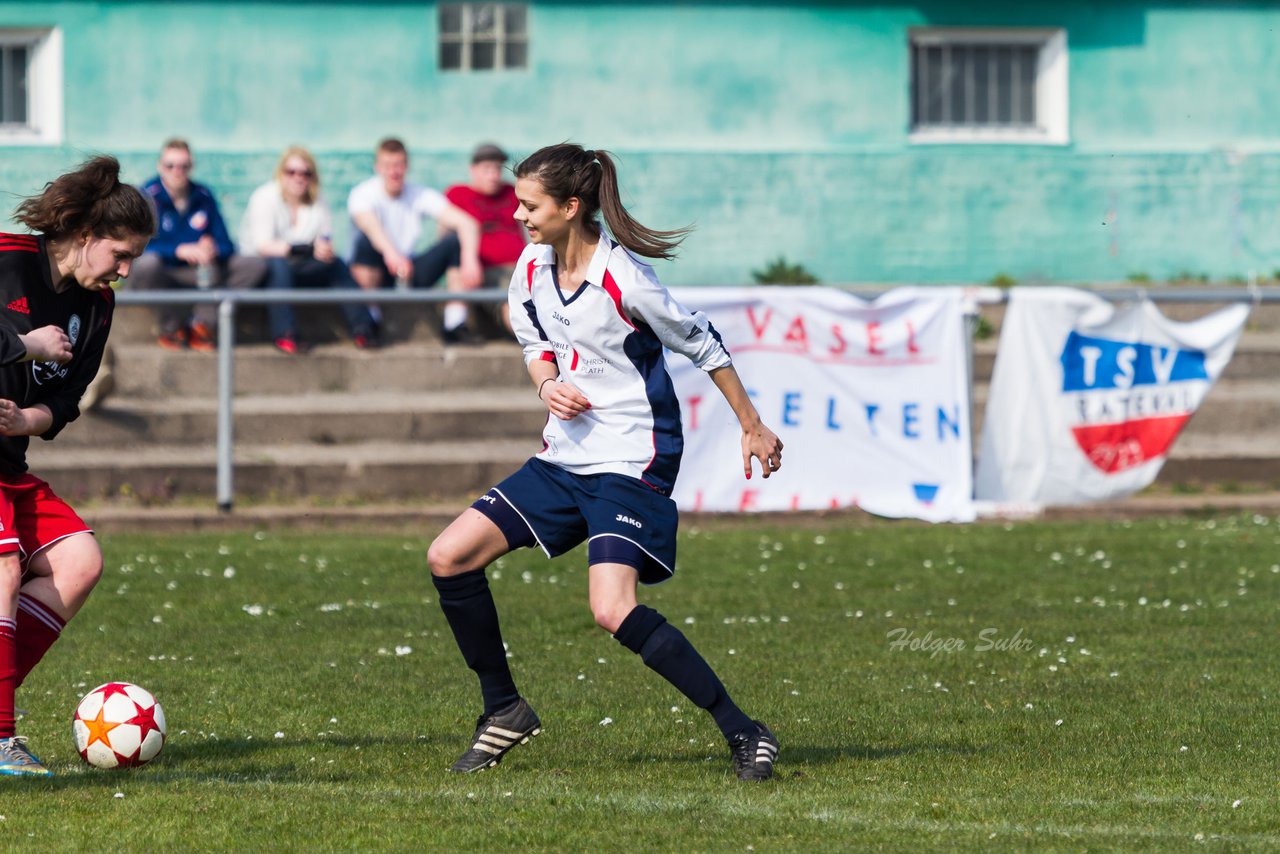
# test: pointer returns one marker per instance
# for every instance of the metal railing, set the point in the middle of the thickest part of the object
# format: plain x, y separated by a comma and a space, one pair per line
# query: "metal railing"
229, 300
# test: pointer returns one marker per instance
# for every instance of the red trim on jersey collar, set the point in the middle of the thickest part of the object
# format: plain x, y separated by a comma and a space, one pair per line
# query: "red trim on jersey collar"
615, 293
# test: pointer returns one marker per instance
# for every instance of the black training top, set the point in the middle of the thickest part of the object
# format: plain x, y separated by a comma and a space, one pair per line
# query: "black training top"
28, 302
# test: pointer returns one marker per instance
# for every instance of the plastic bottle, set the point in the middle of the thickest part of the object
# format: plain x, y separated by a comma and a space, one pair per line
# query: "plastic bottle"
204, 276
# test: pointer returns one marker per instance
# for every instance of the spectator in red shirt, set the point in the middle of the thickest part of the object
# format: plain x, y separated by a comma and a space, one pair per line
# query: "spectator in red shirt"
491, 201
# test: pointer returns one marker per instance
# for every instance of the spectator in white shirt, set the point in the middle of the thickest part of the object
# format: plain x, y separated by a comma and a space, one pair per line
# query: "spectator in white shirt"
288, 223
387, 213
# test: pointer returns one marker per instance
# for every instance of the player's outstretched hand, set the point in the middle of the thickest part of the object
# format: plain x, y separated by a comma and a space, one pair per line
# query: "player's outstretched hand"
47, 344
763, 444
12, 420
565, 401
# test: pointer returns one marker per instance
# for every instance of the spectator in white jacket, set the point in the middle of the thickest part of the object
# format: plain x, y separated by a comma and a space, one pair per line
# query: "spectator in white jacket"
288, 222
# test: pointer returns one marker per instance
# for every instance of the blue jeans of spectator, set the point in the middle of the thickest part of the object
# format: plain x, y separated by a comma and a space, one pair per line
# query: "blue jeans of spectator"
428, 266
310, 272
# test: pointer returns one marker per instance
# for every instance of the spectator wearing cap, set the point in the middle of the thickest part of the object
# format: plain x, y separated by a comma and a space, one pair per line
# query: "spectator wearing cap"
491, 201
387, 213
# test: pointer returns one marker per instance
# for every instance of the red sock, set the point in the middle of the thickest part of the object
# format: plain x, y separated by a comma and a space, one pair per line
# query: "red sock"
38, 628
8, 675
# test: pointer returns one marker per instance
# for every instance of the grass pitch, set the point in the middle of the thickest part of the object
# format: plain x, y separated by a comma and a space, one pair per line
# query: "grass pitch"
1057, 686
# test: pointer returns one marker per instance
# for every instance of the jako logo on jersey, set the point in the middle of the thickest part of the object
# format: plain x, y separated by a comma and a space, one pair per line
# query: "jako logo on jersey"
19, 305
1129, 400
628, 520
555, 315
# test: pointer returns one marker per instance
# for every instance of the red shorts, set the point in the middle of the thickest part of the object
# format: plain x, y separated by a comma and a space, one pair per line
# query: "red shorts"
32, 517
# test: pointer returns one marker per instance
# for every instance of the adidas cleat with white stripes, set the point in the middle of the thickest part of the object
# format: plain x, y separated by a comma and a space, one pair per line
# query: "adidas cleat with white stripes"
498, 733
754, 753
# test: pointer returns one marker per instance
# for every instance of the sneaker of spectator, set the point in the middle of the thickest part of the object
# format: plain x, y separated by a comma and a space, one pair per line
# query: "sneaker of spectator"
201, 338
289, 345
175, 340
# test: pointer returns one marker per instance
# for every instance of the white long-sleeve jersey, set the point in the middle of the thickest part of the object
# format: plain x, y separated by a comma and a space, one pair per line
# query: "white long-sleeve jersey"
606, 338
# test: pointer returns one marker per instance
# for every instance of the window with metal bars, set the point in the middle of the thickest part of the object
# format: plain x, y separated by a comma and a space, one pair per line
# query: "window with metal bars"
484, 36
988, 85
15, 63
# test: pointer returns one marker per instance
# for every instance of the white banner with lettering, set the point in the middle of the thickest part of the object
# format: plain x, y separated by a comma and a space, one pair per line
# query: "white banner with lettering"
869, 398
1087, 398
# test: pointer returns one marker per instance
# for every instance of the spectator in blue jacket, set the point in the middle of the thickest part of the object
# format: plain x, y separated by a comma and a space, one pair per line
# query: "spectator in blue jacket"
192, 249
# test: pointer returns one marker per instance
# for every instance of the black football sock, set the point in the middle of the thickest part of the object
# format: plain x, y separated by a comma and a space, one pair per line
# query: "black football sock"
666, 650
469, 608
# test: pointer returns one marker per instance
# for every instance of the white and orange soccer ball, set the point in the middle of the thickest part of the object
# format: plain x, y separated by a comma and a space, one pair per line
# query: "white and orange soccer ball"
118, 725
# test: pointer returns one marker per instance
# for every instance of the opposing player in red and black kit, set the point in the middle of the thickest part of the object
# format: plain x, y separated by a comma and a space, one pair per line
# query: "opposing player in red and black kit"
55, 313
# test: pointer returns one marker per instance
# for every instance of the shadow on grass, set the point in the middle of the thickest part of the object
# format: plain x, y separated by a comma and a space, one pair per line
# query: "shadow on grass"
827, 754
801, 754
242, 761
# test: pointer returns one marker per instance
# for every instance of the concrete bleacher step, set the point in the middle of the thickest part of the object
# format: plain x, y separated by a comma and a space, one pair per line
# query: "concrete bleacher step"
1243, 410
369, 470
148, 372
315, 418
1230, 468
420, 422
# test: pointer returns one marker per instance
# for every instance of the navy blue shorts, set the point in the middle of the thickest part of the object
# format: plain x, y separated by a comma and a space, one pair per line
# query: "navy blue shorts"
623, 519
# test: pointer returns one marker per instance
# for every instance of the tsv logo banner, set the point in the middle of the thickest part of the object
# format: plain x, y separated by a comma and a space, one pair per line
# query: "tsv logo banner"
1087, 398
870, 399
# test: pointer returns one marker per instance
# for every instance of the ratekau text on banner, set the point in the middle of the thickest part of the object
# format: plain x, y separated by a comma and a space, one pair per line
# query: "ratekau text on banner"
1087, 398
869, 398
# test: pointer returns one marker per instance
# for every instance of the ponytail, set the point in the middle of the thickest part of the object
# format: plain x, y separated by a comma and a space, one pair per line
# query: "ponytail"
568, 171
92, 199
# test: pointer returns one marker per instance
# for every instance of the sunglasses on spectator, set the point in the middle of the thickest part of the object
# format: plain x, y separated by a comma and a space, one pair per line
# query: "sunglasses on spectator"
298, 173
182, 167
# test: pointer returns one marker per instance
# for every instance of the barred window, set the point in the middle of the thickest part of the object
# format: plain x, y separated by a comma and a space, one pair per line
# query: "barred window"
484, 36
985, 85
15, 59
30, 86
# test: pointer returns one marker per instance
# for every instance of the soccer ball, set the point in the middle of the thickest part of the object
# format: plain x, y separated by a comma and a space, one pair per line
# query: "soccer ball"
118, 725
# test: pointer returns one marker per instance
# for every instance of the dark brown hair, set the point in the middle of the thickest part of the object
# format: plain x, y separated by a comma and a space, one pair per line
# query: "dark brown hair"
92, 199
568, 171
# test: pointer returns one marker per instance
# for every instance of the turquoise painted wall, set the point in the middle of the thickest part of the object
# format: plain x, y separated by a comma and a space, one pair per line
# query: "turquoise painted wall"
776, 129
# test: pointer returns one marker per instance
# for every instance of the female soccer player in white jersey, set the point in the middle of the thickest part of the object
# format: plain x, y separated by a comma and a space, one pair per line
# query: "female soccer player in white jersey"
55, 312
593, 321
